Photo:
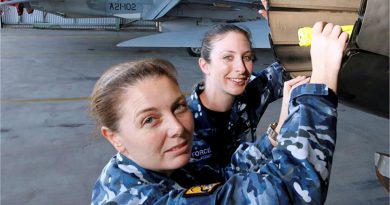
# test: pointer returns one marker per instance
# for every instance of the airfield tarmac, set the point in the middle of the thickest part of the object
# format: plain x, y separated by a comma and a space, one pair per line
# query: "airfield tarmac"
51, 154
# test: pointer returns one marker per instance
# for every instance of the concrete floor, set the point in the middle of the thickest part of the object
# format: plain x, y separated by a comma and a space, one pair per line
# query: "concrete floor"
51, 154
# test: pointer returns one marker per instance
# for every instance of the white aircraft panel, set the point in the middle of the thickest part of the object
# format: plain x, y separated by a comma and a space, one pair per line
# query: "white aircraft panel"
192, 37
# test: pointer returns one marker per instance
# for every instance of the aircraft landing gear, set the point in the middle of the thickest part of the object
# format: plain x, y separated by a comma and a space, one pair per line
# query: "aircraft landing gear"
193, 51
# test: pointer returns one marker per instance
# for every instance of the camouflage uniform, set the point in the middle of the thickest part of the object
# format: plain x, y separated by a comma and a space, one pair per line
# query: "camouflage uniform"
297, 171
213, 146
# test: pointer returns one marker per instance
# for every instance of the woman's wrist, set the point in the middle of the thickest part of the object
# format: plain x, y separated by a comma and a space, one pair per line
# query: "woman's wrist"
272, 133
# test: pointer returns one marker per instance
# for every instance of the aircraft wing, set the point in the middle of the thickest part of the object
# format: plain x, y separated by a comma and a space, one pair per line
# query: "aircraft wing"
169, 39
192, 37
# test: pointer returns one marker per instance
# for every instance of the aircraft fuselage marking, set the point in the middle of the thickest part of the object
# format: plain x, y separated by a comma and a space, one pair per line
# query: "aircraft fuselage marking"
123, 6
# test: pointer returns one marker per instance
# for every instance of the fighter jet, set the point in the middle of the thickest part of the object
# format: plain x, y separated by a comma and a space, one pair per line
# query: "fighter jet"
364, 78
173, 17
145, 9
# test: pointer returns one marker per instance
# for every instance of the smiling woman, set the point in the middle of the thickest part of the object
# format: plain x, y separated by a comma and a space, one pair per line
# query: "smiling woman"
142, 112
228, 103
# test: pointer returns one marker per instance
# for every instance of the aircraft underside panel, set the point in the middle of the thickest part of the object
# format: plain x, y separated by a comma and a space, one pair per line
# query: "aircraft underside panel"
364, 76
364, 80
187, 34
374, 32
128, 9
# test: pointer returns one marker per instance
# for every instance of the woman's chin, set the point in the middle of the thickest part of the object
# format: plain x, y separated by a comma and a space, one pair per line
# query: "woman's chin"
236, 91
179, 161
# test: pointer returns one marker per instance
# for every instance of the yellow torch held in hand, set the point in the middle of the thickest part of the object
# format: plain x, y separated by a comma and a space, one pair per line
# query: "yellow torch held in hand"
305, 34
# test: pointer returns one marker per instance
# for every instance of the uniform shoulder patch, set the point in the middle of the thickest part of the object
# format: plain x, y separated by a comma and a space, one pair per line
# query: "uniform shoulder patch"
201, 190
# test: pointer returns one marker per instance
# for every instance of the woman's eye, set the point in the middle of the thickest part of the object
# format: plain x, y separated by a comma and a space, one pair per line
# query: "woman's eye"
181, 108
228, 58
149, 121
247, 58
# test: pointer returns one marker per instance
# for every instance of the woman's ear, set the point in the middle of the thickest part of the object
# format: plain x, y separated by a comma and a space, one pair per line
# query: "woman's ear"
203, 66
113, 138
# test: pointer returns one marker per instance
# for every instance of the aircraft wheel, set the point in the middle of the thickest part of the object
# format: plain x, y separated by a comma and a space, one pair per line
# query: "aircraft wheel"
193, 51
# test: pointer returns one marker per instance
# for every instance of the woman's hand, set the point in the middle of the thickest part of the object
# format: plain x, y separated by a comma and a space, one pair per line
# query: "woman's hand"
327, 47
263, 12
287, 88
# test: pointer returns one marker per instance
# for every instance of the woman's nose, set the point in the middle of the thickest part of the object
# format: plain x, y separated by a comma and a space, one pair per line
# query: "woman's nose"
239, 66
174, 127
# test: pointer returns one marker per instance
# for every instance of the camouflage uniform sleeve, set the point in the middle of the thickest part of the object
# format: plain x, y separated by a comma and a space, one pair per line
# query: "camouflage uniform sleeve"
264, 88
298, 172
268, 83
303, 158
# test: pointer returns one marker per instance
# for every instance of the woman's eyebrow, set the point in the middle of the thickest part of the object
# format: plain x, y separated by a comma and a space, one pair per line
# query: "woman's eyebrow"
148, 109
230, 51
178, 99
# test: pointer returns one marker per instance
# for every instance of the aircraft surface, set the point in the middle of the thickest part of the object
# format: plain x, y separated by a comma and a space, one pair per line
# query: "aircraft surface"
173, 16
364, 78
145, 9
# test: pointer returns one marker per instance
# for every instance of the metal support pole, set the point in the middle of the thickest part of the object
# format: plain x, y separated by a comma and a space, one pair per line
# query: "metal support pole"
117, 23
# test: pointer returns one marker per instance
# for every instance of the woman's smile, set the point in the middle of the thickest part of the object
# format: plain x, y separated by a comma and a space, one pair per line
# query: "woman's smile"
238, 81
179, 149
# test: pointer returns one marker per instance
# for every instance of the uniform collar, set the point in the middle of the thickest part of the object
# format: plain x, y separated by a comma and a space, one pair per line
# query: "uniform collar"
147, 176
195, 104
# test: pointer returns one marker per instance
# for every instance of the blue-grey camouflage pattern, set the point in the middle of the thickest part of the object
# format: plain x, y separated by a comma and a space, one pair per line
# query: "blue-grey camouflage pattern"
297, 171
212, 146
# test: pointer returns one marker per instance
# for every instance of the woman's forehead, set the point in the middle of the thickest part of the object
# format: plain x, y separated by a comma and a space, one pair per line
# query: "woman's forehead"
230, 34
151, 90
230, 41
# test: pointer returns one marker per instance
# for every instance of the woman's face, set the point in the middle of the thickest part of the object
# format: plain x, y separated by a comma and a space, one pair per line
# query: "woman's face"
155, 128
230, 63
